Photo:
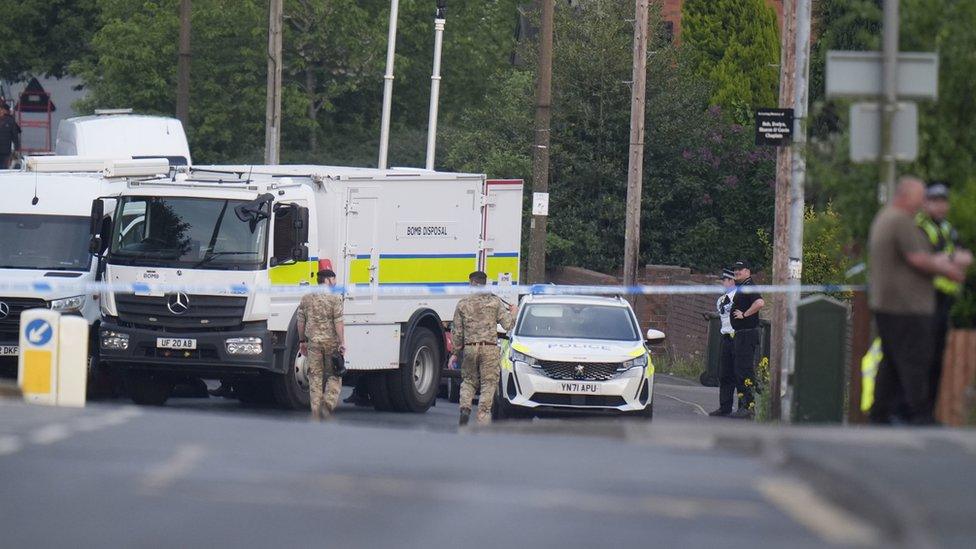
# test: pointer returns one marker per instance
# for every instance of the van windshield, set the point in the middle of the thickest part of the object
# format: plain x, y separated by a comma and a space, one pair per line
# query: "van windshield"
201, 233
577, 321
46, 242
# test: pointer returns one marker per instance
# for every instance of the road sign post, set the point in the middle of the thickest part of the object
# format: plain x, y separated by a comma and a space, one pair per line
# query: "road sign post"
37, 362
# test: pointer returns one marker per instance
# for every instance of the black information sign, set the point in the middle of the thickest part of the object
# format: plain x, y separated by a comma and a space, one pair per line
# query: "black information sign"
774, 127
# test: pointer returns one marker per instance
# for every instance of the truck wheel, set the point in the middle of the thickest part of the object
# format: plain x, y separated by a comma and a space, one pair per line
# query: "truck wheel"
291, 388
413, 387
147, 389
379, 391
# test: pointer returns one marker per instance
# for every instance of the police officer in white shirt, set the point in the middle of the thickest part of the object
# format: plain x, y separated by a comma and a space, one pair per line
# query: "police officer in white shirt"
726, 370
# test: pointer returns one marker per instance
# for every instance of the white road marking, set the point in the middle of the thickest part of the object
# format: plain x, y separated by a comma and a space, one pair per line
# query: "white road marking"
49, 434
9, 445
694, 405
830, 523
178, 465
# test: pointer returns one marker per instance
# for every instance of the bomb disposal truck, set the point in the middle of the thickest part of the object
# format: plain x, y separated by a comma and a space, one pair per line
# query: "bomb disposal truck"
44, 227
253, 226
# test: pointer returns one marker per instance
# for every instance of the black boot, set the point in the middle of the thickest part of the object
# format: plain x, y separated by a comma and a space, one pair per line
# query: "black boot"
465, 416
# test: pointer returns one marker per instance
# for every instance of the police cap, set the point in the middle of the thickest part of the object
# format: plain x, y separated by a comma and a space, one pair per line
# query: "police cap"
937, 190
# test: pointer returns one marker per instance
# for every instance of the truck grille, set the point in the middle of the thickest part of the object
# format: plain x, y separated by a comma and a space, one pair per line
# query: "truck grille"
582, 371
203, 312
10, 324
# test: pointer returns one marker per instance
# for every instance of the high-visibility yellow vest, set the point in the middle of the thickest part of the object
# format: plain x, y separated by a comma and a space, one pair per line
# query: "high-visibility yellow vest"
942, 238
869, 371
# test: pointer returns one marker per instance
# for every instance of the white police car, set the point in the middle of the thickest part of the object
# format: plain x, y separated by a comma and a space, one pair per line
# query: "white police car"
576, 353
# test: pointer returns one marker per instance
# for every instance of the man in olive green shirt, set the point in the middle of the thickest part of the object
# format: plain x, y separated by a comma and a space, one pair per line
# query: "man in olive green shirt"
901, 267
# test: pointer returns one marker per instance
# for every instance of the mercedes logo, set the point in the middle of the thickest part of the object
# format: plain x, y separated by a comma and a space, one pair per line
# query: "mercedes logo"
178, 303
4, 309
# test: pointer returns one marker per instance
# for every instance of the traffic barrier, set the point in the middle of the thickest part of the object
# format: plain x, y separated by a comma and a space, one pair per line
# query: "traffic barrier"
403, 289
52, 365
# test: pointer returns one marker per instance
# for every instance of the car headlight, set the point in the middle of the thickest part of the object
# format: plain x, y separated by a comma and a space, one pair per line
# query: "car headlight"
639, 362
516, 356
67, 304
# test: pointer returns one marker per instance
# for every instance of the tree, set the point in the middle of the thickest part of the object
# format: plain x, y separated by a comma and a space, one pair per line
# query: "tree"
707, 188
735, 43
44, 36
333, 48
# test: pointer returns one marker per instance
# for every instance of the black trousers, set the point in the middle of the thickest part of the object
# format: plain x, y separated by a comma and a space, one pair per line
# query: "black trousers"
726, 374
4, 161
902, 383
744, 360
943, 304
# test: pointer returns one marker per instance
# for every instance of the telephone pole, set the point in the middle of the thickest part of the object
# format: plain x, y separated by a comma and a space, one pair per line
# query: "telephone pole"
540, 150
635, 169
801, 84
889, 104
183, 67
781, 221
272, 127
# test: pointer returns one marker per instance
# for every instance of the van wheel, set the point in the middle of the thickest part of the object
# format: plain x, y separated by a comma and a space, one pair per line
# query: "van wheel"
148, 389
413, 387
291, 388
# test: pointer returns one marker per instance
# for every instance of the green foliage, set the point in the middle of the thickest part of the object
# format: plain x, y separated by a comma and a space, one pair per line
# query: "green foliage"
706, 188
44, 36
825, 240
735, 43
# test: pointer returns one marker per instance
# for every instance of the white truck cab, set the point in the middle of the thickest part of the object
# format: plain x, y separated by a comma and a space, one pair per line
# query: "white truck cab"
118, 134
580, 353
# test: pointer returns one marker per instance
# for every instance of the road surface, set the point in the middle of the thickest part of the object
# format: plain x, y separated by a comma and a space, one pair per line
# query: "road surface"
207, 472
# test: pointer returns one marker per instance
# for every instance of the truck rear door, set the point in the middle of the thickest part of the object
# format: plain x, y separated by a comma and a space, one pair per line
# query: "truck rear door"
501, 232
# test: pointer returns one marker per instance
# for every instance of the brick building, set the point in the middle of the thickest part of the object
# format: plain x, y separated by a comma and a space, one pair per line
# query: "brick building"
671, 11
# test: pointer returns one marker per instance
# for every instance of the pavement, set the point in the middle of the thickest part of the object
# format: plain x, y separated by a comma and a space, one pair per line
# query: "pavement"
205, 472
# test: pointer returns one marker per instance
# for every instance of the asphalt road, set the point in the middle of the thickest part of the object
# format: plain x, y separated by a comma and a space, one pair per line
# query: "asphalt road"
208, 472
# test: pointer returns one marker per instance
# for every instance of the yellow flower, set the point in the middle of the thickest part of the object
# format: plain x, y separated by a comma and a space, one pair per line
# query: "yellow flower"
748, 382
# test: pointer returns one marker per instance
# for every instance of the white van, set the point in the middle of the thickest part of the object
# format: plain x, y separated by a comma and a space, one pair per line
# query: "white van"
124, 136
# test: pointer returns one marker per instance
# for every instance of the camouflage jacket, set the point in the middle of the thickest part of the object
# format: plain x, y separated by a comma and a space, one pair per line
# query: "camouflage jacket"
320, 313
476, 317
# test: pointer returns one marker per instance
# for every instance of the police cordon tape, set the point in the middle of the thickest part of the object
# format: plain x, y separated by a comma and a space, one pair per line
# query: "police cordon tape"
403, 290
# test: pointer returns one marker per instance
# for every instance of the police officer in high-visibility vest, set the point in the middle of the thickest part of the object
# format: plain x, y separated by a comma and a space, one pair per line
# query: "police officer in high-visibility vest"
944, 239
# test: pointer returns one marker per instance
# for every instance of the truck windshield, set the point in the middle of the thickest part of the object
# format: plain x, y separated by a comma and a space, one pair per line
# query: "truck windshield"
47, 242
577, 321
202, 233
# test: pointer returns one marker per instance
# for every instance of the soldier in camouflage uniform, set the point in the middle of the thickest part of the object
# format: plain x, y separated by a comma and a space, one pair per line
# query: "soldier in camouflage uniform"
475, 333
322, 333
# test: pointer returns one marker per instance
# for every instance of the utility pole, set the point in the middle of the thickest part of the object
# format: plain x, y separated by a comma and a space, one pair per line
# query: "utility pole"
435, 82
183, 67
635, 168
272, 127
388, 85
781, 221
801, 86
540, 150
889, 101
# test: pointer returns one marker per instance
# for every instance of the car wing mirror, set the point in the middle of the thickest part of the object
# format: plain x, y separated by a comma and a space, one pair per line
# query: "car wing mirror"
654, 337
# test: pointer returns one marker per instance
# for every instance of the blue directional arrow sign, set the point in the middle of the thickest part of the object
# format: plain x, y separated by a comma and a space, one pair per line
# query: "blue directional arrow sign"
38, 332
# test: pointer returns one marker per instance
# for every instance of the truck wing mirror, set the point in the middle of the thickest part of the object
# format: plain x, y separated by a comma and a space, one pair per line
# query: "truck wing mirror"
300, 226
95, 226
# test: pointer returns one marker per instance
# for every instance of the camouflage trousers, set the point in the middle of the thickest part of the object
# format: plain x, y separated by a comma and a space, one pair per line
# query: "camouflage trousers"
480, 368
318, 362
